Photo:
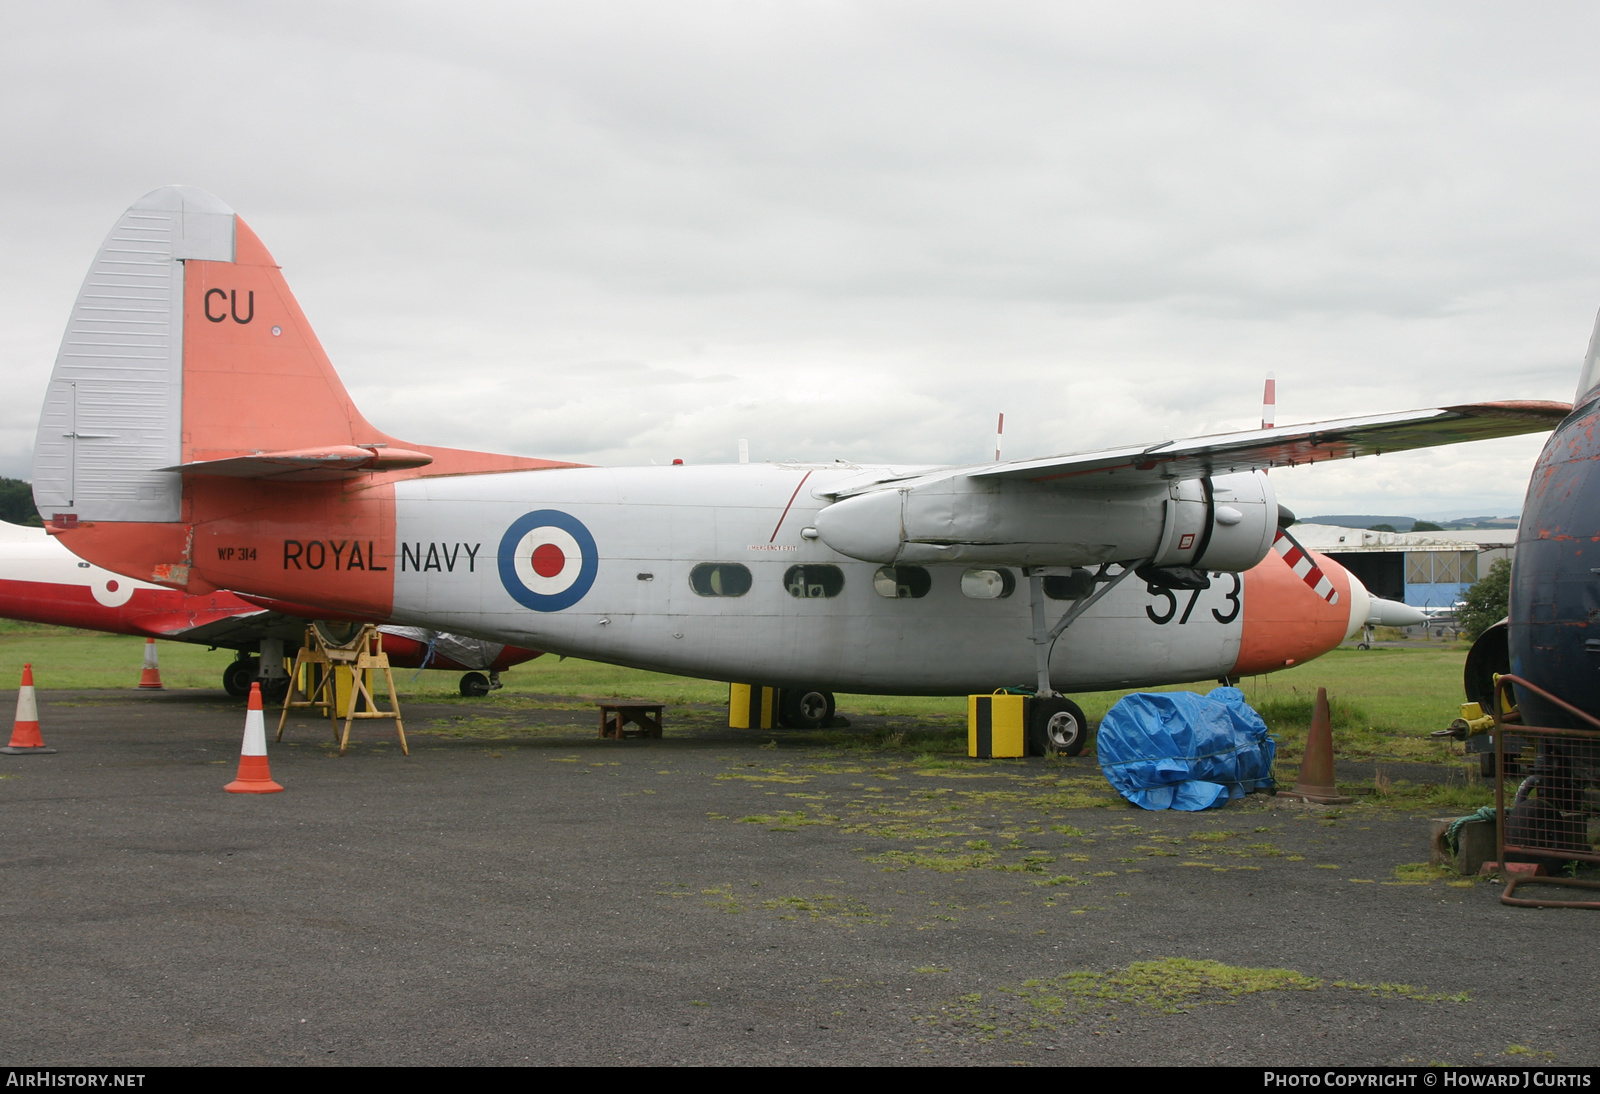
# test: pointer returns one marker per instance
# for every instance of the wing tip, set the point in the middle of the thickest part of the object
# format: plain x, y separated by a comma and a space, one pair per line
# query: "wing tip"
1536, 409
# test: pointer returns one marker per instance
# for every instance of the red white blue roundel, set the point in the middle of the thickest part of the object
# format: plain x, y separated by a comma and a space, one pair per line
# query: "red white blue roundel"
548, 560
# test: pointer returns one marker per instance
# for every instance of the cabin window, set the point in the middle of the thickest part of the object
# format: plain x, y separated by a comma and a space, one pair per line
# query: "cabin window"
813, 582
1073, 586
902, 582
988, 584
720, 579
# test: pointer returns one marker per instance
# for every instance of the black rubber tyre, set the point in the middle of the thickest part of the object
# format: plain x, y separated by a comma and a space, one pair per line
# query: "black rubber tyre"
239, 675
1490, 654
1057, 726
805, 708
474, 685
275, 690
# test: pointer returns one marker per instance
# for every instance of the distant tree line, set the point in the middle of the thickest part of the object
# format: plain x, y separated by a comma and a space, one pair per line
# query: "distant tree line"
1419, 526
16, 503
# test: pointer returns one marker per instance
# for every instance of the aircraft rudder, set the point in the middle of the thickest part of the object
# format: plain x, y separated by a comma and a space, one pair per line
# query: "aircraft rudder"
112, 413
184, 343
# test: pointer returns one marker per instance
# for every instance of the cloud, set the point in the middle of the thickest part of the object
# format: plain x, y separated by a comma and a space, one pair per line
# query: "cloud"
625, 232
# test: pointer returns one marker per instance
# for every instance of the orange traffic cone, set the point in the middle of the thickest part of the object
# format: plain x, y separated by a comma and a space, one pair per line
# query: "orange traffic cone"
151, 676
1315, 783
254, 775
25, 738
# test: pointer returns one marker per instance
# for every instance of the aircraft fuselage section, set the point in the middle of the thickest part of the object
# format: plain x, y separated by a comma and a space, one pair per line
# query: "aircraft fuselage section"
714, 571
624, 545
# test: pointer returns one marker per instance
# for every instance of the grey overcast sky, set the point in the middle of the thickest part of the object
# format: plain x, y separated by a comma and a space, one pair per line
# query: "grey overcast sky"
624, 232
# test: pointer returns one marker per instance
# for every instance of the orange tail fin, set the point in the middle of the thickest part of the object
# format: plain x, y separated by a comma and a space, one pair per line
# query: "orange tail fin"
188, 366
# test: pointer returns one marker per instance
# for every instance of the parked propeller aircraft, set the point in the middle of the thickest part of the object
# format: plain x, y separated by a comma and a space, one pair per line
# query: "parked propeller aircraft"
42, 582
195, 435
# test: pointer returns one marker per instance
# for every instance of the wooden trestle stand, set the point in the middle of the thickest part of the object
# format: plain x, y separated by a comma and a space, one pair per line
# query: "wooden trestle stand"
317, 688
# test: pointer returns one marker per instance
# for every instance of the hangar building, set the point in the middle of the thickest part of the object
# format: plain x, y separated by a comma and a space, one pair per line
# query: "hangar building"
1423, 569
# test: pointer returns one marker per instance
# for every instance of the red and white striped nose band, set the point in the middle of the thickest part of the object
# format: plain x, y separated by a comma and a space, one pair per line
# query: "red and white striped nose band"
1299, 560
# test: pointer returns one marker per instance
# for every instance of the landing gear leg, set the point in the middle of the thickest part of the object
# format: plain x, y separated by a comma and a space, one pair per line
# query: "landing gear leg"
274, 677
1041, 633
1057, 723
1044, 638
494, 681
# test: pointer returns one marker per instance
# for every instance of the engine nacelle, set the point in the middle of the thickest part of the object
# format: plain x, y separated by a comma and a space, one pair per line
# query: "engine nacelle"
1224, 523
1243, 521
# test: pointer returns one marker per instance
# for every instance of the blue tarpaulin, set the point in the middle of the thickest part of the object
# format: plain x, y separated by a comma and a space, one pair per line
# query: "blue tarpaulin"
1182, 750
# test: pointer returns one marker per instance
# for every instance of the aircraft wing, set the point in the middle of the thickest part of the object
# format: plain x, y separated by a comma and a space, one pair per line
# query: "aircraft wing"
1286, 446
1146, 502
232, 628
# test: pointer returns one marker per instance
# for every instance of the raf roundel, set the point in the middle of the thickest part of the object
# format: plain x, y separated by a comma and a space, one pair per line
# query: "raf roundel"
548, 560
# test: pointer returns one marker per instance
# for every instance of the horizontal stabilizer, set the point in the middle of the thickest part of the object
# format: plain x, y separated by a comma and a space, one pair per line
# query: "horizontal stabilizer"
1286, 446
339, 461
203, 625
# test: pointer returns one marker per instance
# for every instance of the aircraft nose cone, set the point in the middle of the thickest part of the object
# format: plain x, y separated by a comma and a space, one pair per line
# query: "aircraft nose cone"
1392, 613
1360, 605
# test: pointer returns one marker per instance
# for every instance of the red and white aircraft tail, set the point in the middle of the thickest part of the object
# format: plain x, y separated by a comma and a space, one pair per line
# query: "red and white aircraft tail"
189, 386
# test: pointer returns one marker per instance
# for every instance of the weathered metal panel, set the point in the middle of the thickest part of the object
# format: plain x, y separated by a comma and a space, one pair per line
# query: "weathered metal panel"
113, 410
1555, 592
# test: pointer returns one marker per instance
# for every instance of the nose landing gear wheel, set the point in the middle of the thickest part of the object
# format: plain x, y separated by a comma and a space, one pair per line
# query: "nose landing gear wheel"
805, 708
1057, 726
475, 685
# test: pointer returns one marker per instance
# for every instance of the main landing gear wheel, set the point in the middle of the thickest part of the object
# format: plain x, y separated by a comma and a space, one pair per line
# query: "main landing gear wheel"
238, 676
1057, 726
805, 708
475, 685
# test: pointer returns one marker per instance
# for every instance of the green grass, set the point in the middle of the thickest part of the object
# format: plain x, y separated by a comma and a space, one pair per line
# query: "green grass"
64, 658
1396, 686
1164, 985
1384, 701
